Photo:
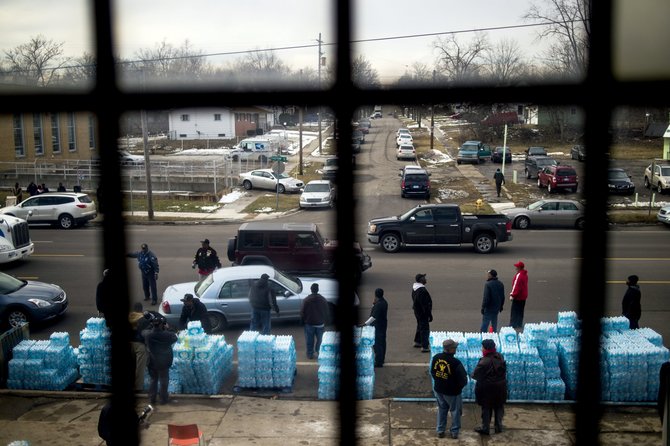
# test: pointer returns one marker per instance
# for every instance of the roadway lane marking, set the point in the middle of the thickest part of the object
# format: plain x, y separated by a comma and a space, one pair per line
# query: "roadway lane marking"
57, 255
637, 259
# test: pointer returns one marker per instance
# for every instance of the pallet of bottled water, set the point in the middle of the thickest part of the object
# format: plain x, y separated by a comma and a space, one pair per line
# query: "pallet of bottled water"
265, 361
43, 365
94, 353
201, 362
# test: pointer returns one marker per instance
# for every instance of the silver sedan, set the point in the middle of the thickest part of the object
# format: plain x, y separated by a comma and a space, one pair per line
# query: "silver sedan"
268, 179
548, 213
225, 293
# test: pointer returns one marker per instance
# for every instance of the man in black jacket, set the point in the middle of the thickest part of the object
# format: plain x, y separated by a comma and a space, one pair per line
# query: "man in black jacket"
194, 310
379, 319
262, 300
422, 304
491, 387
631, 306
206, 259
493, 301
159, 343
449, 378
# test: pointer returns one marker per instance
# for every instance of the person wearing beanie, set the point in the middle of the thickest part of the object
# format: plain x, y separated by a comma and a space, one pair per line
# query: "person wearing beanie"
422, 304
631, 306
378, 319
491, 387
449, 379
262, 299
518, 296
493, 301
314, 313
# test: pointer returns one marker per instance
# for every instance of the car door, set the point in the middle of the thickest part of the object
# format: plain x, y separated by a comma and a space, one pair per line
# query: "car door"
447, 226
567, 214
546, 214
421, 228
288, 302
266, 180
233, 301
307, 252
31, 204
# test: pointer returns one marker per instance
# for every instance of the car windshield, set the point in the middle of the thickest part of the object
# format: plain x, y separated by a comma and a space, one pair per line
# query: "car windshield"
331, 162
665, 171
282, 176
319, 187
9, 284
292, 283
546, 162
617, 175
536, 205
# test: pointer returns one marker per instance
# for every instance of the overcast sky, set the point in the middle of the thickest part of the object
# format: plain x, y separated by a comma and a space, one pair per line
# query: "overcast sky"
215, 26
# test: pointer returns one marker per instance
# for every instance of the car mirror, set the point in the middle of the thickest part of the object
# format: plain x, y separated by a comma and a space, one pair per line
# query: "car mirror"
30, 213
412, 218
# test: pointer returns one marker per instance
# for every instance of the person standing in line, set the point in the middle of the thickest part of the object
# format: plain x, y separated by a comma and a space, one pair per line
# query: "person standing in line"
60, 188
631, 306
449, 379
104, 298
194, 310
493, 301
206, 259
147, 262
262, 300
159, 342
379, 319
32, 189
499, 178
18, 193
422, 304
139, 323
314, 314
518, 296
491, 387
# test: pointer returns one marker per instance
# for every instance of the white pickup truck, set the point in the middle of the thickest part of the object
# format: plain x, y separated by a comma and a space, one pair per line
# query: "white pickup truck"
15, 242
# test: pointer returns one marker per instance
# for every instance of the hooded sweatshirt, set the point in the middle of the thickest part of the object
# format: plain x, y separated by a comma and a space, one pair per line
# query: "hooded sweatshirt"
520, 285
422, 302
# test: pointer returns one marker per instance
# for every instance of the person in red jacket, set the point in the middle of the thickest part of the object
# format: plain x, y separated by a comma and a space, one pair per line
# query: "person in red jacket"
518, 296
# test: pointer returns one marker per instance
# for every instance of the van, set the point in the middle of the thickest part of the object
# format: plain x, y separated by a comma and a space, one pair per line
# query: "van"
255, 149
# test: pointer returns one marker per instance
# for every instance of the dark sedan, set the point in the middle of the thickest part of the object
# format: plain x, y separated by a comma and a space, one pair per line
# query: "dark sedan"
23, 301
619, 182
499, 152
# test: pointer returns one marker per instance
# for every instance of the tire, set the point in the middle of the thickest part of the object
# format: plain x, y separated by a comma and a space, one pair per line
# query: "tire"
247, 184
550, 189
230, 251
218, 321
390, 242
281, 188
65, 221
579, 224
17, 317
236, 158
646, 183
659, 188
484, 244
522, 223
256, 260
539, 183
458, 162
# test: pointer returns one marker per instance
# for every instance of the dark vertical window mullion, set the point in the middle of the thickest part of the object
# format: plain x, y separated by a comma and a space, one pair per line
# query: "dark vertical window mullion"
598, 106
107, 102
346, 213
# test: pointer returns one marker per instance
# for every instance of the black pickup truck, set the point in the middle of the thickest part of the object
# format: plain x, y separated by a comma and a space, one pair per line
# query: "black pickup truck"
439, 225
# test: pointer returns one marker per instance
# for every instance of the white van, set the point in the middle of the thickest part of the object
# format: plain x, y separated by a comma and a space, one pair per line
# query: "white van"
254, 149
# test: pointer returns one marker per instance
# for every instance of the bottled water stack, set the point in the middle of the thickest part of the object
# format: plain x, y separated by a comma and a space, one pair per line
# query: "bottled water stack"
94, 353
283, 361
246, 358
43, 365
265, 361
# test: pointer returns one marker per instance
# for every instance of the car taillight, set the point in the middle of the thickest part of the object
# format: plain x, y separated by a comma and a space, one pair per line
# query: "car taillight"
427, 183
81, 206
508, 226
165, 306
402, 184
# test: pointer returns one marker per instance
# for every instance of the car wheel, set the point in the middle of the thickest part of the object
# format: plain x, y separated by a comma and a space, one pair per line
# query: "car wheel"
522, 223
458, 162
390, 242
539, 183
66, 221
579, 224
218, 321
230, 251
550, 189
646, 182
484, 244
247, 184
17, 317
280, 188
659, 188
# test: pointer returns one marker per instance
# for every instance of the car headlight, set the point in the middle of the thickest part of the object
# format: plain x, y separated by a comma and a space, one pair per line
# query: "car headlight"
39, 303
372, 228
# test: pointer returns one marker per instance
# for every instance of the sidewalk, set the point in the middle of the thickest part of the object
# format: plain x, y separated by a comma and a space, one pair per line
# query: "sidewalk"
70, 418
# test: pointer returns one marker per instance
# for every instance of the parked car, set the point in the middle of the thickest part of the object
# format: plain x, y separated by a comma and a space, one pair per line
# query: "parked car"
558, 177
473, 152
225, 293
550, 212
578, 152
355, 147
23, 301
414, 182
406, 152
402, 130
404, 138
534, 164
329, 171
317, 194
619, 182
536, 151
364, 125
268, 179
357, 136
660, 181
500, 152
63, 209
128, 159
663, 215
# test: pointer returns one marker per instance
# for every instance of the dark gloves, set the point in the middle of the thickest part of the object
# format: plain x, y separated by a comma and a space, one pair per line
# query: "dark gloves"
482, 311
430, 318
276, 308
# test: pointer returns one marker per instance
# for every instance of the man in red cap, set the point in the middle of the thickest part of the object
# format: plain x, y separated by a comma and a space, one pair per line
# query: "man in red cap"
518, 296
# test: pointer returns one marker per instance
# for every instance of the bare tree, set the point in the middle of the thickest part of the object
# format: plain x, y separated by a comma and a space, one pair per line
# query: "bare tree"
504, 63
165, 62
568, 22
81, 70
460, 62
36, 62
362, 73
263, 62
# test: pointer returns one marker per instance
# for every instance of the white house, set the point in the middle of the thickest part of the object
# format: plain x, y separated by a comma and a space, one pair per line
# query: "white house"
218, 123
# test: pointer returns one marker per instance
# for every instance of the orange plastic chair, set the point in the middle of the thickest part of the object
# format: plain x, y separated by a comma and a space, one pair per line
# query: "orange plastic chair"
183, 435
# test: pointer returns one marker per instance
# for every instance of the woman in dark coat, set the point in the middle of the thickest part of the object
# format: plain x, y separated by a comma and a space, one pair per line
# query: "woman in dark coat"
491, 387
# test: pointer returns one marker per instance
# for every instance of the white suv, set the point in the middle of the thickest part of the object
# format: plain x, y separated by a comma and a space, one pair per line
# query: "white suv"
660, 180
63, 209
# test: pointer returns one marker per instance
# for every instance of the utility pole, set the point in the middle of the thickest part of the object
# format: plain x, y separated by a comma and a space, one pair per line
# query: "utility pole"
321, 58
147, 161
432, 119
